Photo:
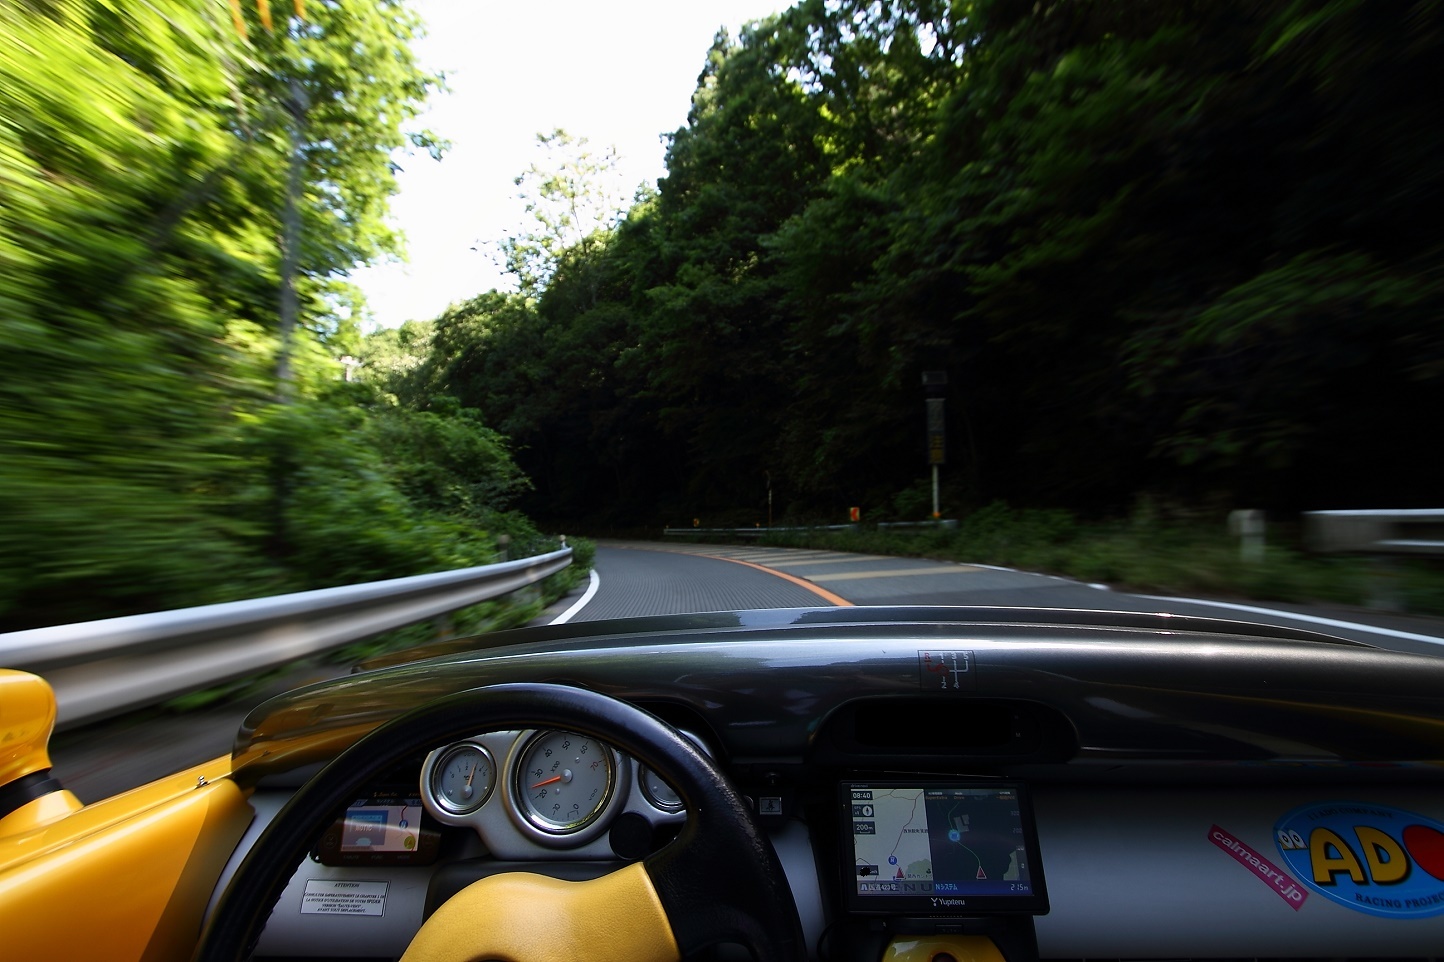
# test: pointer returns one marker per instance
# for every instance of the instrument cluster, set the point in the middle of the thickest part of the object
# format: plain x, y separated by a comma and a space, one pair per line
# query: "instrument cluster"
540, 794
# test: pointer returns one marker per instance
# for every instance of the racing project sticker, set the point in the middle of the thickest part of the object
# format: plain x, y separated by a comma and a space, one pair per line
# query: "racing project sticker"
1373, 858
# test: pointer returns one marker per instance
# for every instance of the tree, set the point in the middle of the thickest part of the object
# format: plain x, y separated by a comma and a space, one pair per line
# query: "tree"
1169, 249
574, 199
143, 160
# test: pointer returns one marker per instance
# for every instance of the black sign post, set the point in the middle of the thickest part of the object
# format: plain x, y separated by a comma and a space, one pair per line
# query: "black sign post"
935, 385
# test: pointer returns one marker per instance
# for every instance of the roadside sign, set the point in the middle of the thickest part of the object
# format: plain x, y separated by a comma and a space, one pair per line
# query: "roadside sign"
937, 431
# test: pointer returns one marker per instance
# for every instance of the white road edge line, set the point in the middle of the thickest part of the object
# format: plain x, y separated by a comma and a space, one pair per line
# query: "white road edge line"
1314, 619
581, 602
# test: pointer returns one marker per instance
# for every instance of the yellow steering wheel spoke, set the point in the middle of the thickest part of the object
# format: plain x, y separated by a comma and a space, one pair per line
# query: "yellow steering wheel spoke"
520, 917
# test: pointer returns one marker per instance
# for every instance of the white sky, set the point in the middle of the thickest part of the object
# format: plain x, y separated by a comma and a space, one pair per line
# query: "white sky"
617, 72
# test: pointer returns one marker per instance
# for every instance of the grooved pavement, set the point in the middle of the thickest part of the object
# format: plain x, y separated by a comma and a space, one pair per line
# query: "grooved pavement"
878, 580
660, 582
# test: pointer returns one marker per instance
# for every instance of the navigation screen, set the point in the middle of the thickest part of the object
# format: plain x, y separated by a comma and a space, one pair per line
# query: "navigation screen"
383, 828
957, 849
381, 825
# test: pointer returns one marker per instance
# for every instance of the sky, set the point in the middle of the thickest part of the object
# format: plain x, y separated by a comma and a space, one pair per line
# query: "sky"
618, 72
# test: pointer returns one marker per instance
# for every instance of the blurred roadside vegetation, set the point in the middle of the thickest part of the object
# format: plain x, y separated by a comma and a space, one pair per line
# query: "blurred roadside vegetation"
164, 442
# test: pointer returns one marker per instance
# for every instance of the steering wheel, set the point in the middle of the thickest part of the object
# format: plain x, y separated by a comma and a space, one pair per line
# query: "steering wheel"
718, 880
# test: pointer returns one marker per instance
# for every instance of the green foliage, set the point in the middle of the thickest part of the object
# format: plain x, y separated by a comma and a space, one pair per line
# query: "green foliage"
347, 494
144, 461
1184, 249
574, 200
448, 463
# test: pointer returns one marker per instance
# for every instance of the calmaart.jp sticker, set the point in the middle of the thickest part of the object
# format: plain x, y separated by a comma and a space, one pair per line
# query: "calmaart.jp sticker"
1372, 858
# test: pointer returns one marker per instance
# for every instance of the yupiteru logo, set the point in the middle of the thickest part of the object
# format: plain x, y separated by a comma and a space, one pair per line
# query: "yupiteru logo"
1372, 858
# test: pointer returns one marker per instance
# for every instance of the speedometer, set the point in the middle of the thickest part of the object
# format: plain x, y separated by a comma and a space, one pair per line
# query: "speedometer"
564, 780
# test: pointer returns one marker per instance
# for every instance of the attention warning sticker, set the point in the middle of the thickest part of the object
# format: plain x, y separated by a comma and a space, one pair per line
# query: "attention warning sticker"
335, 897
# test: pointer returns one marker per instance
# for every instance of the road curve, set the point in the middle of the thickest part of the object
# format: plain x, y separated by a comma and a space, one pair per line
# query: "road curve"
650, 578
642, 580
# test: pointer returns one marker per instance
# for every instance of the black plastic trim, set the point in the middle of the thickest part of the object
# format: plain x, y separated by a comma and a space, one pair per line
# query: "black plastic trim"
26, 789
1181, 691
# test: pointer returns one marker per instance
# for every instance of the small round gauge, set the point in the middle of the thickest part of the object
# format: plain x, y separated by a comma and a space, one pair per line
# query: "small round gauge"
658, 792
462, 778
563, 781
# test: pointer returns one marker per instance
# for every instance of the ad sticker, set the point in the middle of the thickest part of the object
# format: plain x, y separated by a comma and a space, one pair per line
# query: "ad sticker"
1373, 858
1287, 889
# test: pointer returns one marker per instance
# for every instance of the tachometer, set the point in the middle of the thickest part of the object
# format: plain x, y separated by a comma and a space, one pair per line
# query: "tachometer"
564, 780
462, 778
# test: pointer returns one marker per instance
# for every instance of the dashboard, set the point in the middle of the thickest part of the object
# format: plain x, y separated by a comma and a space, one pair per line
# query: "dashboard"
1147, 788
525, 795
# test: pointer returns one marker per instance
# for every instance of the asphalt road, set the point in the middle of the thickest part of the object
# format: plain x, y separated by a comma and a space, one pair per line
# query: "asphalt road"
674, 569
644, 578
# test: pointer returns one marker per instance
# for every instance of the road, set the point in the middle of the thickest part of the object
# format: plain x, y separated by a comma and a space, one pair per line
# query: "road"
641, 578
644, 578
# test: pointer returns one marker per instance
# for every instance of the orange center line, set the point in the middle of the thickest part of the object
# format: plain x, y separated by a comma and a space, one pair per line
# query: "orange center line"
822, 593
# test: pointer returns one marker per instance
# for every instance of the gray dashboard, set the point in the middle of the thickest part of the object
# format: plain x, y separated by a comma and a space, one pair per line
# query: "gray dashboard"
1132, 874
1164, 756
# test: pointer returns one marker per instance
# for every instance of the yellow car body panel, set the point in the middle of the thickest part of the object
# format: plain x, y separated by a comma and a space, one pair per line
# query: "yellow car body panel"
123, 879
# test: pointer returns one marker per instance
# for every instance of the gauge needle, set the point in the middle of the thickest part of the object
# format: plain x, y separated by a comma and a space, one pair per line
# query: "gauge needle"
471, 776
554, 778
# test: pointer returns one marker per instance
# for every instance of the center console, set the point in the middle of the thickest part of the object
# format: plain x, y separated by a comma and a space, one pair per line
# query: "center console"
931, 860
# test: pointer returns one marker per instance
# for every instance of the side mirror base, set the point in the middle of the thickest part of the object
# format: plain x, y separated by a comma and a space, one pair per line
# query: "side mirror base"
29, 795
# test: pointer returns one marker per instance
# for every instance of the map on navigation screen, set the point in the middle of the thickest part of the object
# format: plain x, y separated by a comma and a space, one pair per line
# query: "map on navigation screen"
938, 843
902, 851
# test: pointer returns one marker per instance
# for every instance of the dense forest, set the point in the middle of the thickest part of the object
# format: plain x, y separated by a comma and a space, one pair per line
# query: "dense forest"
1189, 251
181, 196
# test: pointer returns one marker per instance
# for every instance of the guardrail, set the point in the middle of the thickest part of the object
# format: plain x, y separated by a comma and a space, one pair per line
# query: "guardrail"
755, 532
1382, 534
947, 524
749, 532
102, 668
1405, 531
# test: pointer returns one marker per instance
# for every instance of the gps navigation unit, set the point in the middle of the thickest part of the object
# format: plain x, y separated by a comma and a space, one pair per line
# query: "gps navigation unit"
941, 848
381, 828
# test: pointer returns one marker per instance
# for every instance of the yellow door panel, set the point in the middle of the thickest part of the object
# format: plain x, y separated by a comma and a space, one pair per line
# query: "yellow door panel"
125, 879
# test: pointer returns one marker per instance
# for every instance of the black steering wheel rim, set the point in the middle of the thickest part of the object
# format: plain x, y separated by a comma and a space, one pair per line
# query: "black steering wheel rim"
719, 880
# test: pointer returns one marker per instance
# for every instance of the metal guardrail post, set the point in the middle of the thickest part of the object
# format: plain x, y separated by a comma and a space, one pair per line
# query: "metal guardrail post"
1248, 527
103, 668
